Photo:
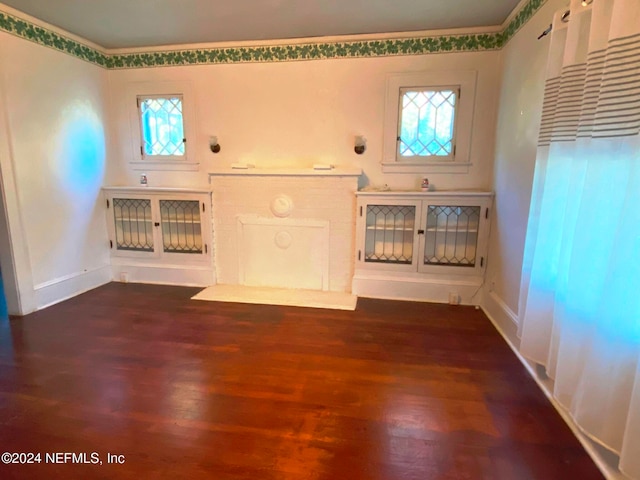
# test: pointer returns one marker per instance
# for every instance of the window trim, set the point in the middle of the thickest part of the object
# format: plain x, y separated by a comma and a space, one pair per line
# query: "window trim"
139, 161
465, 82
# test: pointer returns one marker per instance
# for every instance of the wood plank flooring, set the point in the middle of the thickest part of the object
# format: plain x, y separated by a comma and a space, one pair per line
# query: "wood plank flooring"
192, 389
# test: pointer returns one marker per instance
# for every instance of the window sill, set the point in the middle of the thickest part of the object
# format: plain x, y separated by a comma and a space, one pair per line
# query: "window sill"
423, 167
170, 166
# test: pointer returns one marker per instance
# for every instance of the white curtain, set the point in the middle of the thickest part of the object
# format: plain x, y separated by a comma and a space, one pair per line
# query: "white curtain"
580, 294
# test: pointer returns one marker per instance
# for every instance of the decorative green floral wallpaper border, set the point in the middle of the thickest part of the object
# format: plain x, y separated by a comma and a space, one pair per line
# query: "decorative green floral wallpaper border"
308, 51
522, 17
29, 31
277, 53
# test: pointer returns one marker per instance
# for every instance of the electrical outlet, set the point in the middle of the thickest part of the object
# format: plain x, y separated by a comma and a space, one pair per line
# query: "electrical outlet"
454, 298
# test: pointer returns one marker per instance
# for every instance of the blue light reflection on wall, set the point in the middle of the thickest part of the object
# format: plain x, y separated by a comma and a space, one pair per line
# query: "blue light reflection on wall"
80, 159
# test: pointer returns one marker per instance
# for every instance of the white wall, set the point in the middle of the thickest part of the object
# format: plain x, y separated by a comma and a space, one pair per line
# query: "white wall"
301, 113
524, 65
53, 167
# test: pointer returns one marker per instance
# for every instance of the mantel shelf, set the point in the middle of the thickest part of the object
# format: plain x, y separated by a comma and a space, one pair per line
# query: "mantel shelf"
150, 190
289, 172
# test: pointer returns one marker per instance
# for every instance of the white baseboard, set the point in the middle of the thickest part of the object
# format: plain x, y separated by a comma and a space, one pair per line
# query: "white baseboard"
66, 287
437, 290
497, 309
505, 322
62, 288
188, 276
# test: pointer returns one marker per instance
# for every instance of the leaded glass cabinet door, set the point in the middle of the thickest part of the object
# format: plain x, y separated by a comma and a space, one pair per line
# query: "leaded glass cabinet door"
181, 226
451, 237
133, 225
389, 235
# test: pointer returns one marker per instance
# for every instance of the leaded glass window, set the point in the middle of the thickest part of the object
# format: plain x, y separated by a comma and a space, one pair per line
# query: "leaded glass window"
427, 122
162, 125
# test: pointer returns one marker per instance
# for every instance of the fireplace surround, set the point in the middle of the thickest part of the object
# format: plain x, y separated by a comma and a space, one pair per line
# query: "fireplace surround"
284, 228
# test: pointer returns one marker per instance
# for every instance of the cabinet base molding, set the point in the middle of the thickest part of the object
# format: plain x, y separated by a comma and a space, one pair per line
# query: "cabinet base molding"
189, 276
466, 291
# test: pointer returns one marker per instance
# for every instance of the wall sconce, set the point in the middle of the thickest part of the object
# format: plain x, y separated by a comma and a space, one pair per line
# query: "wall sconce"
360, 144
586, 3
214, 145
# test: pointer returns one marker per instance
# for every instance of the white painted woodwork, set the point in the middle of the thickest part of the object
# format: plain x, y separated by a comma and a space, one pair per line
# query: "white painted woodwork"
158, 266
417, 280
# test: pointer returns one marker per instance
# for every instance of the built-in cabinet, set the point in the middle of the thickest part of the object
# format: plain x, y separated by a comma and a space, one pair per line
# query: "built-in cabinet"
160, 235
421, 245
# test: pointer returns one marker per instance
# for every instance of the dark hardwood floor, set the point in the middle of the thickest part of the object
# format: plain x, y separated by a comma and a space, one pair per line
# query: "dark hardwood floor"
191, 389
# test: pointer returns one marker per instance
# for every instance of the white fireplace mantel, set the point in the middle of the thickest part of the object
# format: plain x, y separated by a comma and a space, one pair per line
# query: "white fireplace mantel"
284, 228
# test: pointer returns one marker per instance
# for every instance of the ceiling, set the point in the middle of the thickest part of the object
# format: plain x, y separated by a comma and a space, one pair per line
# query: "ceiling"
149, 23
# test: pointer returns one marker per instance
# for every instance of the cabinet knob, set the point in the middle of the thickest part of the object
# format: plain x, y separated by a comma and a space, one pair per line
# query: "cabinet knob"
420, 232
157, 224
